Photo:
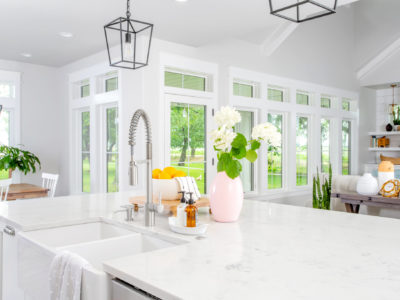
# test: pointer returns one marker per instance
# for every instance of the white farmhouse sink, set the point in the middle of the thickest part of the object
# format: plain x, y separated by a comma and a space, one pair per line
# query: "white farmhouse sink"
76, 234
96, 242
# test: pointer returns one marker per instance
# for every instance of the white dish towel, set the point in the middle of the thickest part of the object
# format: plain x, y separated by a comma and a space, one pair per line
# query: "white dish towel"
66, 276
189, 185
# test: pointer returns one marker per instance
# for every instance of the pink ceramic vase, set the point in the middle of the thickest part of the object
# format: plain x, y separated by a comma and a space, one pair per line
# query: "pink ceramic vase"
226, 198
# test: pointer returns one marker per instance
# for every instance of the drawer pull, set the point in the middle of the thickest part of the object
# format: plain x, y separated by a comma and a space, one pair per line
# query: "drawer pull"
9, 230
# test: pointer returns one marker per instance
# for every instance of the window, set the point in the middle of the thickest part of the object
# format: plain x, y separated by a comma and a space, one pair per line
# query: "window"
346, 104
184, 81
245, 127
275, 156
85, 151
4, 135
325, 145
302, 99
325, 102
112, 149
244, 90
85, 90
7, 90
188, 144
346, 147
275, 95
302, 150
111, 84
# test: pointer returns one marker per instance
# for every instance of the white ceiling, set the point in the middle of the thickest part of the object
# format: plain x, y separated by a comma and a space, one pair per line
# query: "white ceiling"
31, 26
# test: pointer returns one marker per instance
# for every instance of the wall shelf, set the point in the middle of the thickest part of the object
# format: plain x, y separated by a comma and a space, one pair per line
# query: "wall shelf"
387, 149
384, 133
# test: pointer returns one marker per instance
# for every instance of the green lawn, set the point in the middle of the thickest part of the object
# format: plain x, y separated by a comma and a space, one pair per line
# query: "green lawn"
111, 181
3, 174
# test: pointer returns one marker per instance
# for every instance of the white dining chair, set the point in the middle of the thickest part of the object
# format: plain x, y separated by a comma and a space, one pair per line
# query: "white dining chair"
4, 186
50, 182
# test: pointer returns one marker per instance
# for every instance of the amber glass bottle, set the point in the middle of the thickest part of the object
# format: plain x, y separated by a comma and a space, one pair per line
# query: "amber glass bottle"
191, 213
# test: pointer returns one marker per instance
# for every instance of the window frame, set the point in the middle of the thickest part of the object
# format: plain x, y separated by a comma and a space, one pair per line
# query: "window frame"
209, 155
207, 84
256, 179
285, 173
310, 135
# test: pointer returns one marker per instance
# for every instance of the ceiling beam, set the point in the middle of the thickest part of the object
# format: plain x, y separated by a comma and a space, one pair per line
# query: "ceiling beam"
379, 59
284, 30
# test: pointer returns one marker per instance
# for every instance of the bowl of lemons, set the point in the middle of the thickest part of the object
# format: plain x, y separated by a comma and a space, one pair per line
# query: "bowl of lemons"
164, 182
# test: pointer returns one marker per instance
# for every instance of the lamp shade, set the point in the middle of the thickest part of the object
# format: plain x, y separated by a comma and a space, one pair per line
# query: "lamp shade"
302, 10
128, 42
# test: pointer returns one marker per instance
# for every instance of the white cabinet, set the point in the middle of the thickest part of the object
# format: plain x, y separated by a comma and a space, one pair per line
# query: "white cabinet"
10, 289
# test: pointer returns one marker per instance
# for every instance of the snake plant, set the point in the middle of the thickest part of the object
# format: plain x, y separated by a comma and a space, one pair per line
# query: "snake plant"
322, 198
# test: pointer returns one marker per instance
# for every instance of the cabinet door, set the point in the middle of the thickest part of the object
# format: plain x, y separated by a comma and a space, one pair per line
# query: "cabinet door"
11, 291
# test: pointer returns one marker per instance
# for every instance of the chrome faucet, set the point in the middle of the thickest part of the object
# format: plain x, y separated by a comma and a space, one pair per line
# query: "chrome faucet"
149, 208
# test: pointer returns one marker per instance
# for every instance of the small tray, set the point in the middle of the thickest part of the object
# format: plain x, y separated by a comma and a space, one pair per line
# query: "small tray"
198, 230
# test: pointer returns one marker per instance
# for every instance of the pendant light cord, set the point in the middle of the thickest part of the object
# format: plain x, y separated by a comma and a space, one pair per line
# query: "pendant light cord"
128, 9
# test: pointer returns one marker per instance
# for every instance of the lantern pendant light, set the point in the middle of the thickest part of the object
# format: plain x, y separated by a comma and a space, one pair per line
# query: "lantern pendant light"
302, 10
128, 41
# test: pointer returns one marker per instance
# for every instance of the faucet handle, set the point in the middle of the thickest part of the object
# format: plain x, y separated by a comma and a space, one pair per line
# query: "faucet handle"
128, 208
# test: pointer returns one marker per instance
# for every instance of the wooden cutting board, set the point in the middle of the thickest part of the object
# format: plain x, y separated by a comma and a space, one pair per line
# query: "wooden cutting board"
170, 205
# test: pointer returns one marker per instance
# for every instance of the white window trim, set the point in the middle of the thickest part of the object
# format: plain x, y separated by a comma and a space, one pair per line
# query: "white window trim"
291, 109
93, 103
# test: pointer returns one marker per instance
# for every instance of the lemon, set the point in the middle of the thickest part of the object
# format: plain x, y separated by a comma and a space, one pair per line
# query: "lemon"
170, 170
165, 175
180, 174
156, 173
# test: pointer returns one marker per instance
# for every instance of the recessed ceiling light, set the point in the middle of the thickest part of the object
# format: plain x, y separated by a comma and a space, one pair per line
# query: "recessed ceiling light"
66, 34
26, 54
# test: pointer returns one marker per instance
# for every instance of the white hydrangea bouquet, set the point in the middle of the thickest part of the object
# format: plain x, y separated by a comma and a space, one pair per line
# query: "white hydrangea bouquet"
232, 146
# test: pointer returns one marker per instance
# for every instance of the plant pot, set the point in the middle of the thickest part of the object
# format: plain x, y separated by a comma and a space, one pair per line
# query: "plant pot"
226, 198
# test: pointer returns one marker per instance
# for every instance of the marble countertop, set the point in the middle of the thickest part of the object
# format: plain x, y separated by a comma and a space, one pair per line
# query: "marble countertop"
273, 252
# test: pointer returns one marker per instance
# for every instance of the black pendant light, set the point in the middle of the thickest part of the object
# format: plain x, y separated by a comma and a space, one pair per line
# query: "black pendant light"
128, 41
302, 10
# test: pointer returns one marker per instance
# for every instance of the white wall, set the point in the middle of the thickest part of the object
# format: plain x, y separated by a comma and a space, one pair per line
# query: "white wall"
40, 112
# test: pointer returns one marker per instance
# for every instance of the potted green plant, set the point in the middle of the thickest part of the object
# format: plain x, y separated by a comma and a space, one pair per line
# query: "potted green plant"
396, 117
322, 198
13, 158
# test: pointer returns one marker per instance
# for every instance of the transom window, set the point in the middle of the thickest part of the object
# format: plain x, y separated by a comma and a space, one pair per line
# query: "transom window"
302, 98
346, 104
85, 90
275, 94
184, 81
111, 84
244, 90
7, 90
325, 102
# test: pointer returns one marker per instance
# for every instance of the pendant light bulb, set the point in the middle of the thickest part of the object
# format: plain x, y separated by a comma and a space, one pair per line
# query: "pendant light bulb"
128, 48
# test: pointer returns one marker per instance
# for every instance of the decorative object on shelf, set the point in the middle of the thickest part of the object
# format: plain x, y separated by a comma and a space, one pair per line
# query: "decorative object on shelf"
383, 142
385, 172
301, 11
389, 127
393, 160
226, 190
391, 188
392, 107
322, 199
128, 41
13, 158
367, 185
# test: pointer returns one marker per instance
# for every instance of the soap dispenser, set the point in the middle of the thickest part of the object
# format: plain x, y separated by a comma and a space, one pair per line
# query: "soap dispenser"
191, 213
180, 211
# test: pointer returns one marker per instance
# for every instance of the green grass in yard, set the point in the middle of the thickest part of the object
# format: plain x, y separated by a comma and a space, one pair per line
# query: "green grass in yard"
195, 170
3, 174
274, 181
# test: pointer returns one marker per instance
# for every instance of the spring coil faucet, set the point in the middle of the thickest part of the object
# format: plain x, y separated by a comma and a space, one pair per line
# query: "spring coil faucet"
150, 208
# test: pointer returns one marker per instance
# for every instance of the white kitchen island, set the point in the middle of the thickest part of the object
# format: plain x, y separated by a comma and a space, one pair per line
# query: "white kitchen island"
273, 252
